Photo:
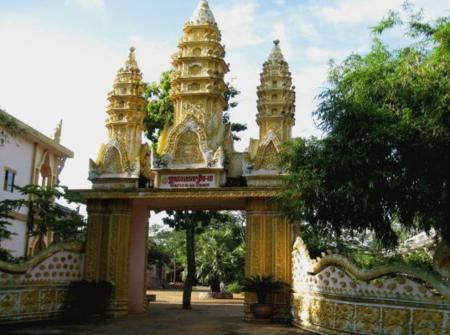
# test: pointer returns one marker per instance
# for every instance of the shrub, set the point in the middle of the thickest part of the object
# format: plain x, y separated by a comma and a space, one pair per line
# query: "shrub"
234, 287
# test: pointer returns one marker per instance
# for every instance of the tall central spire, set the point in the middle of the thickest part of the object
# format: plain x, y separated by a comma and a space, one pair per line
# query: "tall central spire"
198, 137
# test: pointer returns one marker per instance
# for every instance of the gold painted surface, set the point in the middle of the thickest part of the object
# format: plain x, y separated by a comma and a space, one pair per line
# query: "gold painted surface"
197, 92
276, 109
29, 301
427, 322
188, 149
395, 321
8, 304
367, 319
345, 316
107, 248
268, 241
126, 111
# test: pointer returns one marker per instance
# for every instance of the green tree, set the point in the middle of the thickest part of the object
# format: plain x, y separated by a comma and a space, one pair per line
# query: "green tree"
384, 159
192, 222
221, 252
45, 215
159, 107
167, 247
6, 208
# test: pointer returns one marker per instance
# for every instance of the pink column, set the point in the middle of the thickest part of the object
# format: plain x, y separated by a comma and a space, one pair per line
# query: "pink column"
138, 258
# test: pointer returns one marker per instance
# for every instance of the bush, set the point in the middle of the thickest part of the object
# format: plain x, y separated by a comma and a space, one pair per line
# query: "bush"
88, 298
234, 287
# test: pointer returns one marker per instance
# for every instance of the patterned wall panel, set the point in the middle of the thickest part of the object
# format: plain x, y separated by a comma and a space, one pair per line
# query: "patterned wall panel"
36, 289
333, 296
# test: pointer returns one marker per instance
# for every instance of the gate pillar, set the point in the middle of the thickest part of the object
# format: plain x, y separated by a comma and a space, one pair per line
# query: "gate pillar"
107, 246
269, 249
138, 259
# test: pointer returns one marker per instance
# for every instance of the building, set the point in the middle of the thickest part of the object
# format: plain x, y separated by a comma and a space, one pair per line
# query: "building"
27, 157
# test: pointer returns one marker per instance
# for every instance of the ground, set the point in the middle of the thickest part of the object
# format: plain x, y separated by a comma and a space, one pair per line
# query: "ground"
165, 317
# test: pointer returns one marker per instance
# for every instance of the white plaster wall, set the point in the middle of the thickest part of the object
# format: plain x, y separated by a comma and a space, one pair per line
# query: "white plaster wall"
16, 154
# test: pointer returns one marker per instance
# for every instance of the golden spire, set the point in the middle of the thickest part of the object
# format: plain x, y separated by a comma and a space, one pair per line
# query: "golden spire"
198, 93
119, 157
276, 106
276, 96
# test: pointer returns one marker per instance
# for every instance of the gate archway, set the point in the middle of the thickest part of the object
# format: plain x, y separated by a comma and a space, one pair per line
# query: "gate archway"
116, 245
197, 171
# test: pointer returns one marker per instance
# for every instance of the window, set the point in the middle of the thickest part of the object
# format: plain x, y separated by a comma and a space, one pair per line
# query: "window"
8, 185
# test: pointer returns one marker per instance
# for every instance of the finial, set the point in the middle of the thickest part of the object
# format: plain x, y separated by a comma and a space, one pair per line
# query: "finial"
276, 55
131, 63
57, 132
203, 14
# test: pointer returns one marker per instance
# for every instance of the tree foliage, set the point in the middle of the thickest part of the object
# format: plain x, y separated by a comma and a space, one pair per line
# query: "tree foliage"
385, 155
44, 214
192, 222
159, 107
221, 252
6, 209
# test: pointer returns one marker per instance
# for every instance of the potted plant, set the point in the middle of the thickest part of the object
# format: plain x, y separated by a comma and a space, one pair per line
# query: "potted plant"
262, 287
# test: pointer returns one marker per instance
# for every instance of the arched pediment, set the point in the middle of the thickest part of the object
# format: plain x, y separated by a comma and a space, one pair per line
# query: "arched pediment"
187, 144
111, 162
267, 154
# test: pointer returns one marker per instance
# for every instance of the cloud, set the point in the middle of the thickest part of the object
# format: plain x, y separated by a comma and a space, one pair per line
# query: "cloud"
357, 11
308, 82
279, 32
244, 75
92, 4
153, 56
237, 23
49, 74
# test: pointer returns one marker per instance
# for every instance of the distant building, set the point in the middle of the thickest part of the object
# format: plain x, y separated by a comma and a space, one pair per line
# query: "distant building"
27, 157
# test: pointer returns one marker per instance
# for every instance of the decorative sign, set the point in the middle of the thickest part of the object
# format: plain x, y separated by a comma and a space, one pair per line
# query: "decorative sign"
188, 181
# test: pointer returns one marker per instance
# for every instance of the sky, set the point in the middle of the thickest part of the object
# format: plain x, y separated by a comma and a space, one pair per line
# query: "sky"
58, 58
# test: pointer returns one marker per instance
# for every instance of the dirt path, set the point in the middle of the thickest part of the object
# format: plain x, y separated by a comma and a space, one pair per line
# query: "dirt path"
165, 317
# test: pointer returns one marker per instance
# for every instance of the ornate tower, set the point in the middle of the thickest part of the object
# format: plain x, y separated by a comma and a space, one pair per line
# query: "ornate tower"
276, 108
198, 137
119, 160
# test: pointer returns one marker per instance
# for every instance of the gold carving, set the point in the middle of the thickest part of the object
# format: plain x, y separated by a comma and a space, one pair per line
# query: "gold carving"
8, 304
427, 322
188, 149
395, 321
29, 301
367, 319
126, 112
198, 94
345, 316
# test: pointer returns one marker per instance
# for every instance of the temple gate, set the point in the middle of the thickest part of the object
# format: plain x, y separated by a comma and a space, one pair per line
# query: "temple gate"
194, 167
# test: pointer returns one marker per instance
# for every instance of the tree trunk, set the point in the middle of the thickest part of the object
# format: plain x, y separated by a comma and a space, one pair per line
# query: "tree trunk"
190, 278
